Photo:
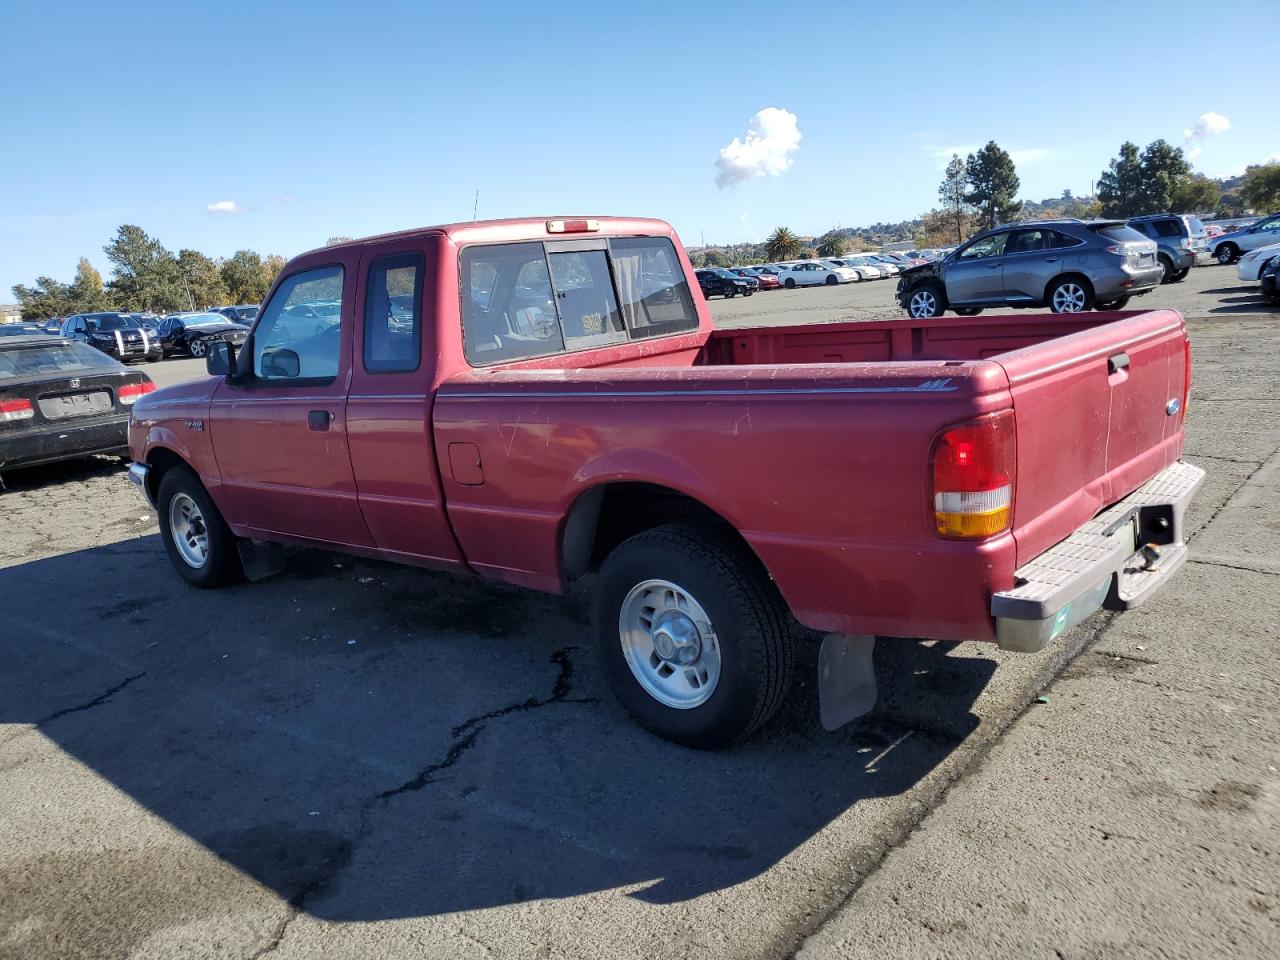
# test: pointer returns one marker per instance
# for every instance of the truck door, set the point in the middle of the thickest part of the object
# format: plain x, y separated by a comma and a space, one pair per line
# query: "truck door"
389, 406
280, 436
976, 272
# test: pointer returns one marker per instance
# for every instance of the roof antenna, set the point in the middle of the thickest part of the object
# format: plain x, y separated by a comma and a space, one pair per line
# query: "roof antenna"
476, 207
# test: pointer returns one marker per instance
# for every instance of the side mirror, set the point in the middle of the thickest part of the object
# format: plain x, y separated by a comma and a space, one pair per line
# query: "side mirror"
221, 359
280, 362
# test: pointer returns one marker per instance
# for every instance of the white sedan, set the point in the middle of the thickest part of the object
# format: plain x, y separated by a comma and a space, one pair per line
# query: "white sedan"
1250, 266
864, 260
864, 272
810, 273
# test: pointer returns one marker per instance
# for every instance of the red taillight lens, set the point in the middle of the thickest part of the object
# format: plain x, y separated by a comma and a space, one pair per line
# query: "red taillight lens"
573, 226
973, 473
130, 392
11, 410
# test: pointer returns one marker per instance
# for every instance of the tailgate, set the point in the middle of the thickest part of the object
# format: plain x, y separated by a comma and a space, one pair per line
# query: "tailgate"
1098, 414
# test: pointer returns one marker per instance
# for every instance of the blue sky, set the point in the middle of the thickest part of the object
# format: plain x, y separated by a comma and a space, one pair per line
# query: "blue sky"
322, 119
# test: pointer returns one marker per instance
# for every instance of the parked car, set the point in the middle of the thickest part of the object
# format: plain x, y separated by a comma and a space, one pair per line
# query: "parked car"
763, 278
808, 273
1212, 230
721, 485
1180, 239
61, 399
1268, 280
194, 333
719, 282
52, 326
862, 262
1251, 266
20, 329
891, 266
243, 314
115, 334
1065, 265
1262, 233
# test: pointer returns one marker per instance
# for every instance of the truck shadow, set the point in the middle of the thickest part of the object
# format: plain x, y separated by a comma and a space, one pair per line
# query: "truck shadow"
374, 742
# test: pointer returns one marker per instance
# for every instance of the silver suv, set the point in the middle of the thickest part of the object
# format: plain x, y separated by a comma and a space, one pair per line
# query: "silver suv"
1065, 265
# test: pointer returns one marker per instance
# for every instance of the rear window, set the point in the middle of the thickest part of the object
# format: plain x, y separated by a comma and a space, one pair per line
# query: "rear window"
52, 358
1119, 232
1195, 226
521, 300
1168, 228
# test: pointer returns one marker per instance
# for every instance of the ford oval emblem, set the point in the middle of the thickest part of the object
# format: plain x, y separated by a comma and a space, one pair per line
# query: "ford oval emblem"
1172, 407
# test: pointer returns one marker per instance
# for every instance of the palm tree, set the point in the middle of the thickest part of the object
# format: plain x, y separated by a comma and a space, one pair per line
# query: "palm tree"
831, 245
782, 245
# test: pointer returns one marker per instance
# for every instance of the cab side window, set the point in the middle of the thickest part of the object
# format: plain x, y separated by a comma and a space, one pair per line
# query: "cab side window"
299, 334
393, 314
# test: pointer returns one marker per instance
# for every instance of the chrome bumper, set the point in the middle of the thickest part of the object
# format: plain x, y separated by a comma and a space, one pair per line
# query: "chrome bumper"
1116, 560
138, 476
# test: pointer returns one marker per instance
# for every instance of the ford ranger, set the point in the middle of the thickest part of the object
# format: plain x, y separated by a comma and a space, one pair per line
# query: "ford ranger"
538, 400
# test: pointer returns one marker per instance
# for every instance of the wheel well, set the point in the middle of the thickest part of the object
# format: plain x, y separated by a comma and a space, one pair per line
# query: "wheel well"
1079, 277
606, 515
1165, 257
161, 460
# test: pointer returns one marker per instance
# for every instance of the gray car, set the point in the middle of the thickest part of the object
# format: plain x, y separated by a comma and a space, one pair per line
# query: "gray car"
1065, 265
1180, 239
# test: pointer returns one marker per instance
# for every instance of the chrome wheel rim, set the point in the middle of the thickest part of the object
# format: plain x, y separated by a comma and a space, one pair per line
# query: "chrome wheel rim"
197, 348
190, 535
1068, 298
1224, 256
923, 304
669, 644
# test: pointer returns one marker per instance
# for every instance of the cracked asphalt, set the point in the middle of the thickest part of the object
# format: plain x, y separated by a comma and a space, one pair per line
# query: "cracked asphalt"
353, 759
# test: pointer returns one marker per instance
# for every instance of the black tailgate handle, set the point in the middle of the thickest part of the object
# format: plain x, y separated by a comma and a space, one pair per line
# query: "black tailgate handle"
1117, 363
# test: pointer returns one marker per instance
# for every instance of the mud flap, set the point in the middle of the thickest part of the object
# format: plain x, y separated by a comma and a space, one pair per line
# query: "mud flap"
846, 678
259, 559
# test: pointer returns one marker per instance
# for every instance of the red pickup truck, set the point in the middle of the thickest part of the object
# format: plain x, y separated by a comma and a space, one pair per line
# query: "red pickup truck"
538, 400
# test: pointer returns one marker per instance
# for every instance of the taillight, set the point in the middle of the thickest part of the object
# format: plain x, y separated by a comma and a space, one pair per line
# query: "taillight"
573, 226
1117, 249
130, 392
973, 473
11, 410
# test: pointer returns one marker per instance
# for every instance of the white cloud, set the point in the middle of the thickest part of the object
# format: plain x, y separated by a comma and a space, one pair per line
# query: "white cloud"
288, 199
772, 136
224, 206
1029, 156
1209, 125
942, 155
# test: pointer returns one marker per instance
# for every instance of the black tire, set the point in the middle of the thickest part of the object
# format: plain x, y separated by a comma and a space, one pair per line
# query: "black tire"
1227, 253
1061, 284
198, 348
222, 564
748, 292
968, 311
1167, 265
1180, 275
730, 293
789, 283
752, 631
832, 280
1118, 304
927, 300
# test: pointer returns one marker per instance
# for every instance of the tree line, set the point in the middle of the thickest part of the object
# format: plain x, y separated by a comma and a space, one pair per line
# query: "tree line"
979, 191
148, 278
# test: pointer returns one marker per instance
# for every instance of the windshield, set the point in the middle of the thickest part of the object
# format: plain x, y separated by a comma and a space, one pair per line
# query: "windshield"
111, 324
1119, 232
204, 320
1194, 225
246, 313
55, 357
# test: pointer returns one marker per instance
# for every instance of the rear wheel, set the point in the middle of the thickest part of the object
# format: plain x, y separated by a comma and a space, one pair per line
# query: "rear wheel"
1181, 275
968, 311
1167, 265
1070, 295
1118, 304
926, 301
200, 545
692, 636
1227, 253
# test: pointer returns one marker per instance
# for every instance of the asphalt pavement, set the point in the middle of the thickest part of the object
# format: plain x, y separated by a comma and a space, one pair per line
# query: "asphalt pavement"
353, 759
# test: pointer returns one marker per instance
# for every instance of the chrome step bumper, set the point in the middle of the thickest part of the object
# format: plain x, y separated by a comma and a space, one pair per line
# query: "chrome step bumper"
1116, 560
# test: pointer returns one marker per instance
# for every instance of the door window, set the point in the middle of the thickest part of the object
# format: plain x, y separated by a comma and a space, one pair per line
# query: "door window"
508, 309
992, 246
393, 314
1031, 241
299, 334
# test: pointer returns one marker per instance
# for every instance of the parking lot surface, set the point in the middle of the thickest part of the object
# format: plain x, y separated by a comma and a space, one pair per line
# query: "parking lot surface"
353, 759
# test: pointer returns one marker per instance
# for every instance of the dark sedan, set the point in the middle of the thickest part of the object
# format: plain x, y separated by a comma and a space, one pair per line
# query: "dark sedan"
1269, 279
20, 329
116, 334
61, 399
243, 314
716, 281
194, 334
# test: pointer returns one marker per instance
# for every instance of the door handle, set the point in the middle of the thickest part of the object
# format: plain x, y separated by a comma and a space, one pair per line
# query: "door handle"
1052, 259
993, 266
1118, 362
319, 419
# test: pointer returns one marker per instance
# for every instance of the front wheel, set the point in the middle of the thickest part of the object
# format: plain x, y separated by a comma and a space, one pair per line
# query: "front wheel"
198, 348
832, 280
1070, 295
968, 311
925, 302
1227, 253
200, 545
692, 636
790, 283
